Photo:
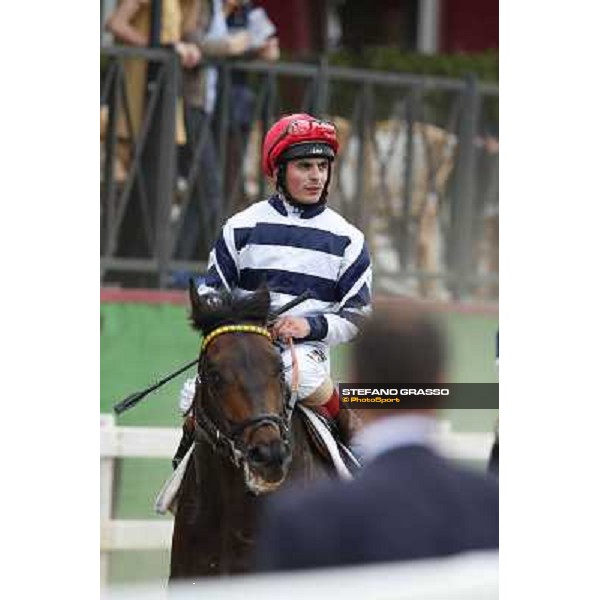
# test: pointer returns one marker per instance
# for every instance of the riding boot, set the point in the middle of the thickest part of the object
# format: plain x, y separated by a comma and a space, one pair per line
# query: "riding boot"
344, 422
347, 423
187, 439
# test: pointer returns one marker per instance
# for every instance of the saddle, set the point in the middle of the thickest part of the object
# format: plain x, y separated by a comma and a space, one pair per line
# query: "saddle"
328, 444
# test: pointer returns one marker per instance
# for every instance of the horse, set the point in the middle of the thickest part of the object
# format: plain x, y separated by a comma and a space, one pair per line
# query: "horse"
249, 443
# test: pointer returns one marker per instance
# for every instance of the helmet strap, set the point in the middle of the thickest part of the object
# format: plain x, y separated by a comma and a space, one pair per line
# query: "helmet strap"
323, 197
280, 179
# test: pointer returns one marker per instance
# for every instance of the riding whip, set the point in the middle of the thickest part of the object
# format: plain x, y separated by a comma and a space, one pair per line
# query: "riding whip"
133, 399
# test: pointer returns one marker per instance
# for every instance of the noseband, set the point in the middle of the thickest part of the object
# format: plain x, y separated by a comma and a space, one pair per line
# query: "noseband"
228, 443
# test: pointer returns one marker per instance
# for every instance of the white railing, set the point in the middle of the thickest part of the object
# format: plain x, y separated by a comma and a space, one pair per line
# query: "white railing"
470, 576
161, 442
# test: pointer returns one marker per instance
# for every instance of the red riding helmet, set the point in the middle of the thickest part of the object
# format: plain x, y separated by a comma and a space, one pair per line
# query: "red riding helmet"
298, 136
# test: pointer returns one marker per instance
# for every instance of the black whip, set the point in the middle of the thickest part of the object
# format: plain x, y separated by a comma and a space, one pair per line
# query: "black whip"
133, 399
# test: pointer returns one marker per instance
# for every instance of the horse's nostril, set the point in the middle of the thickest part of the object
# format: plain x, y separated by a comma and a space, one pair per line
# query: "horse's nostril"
277, 452
255, 454
267, 454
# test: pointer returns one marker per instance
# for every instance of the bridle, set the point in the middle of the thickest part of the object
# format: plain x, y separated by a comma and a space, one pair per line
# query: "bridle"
224, 438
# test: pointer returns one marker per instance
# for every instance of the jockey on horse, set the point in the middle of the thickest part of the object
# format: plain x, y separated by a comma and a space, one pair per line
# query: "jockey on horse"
294, 242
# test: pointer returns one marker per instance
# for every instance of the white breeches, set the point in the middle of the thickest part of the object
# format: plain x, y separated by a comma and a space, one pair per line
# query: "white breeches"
313, 375
313, 368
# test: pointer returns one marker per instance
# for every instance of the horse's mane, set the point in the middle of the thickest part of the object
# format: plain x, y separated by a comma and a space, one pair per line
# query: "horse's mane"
225, 308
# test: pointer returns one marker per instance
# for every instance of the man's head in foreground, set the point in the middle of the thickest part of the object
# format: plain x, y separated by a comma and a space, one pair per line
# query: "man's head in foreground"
399, 346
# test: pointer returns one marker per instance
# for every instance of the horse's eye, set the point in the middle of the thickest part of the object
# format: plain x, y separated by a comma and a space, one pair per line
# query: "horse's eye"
214, 378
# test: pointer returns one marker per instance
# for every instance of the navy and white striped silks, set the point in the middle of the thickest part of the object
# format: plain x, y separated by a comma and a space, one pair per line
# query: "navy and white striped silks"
293, 249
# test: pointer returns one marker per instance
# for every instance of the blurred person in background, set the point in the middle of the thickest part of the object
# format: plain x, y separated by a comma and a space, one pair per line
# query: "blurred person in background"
213, 38
242, 15
407, 502
130, 24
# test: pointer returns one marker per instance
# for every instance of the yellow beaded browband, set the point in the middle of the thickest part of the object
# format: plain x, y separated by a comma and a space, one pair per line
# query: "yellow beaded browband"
234, 329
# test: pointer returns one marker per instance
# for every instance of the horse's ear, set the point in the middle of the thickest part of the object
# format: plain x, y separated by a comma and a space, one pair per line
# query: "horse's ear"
263, 298
262, 294
195, 301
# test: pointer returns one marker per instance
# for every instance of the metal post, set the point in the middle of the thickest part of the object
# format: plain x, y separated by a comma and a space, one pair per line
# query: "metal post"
363, 115
322, 88
428, 25
267, 118
110, 150
405, 244
464, 192
160, 164
155, 22
223, 141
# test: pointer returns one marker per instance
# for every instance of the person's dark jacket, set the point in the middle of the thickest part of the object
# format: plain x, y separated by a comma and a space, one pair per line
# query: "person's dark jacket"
409, 503
494, 460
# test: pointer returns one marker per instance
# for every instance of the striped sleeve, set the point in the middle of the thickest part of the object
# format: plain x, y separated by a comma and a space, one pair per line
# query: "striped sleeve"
353, 292
223, 268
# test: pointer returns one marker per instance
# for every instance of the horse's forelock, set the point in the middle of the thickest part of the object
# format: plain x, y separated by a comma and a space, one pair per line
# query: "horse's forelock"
254, 307
228, 309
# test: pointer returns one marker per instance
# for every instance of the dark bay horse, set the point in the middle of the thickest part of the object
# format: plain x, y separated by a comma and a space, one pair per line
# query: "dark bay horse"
247, 443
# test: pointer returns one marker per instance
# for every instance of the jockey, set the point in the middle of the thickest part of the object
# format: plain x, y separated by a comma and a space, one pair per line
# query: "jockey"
294, 242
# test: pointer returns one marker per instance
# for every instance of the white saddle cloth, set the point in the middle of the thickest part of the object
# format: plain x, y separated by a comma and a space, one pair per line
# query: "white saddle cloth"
167, 497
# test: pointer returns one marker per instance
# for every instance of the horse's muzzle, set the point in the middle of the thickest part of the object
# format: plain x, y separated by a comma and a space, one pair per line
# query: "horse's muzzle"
268, 458
267, 463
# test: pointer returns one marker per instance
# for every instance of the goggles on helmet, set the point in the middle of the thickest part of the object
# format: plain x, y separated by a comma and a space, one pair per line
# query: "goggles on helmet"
321, 129
301, 137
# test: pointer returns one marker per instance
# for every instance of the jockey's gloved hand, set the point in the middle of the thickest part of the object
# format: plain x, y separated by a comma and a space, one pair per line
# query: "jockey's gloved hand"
186, 395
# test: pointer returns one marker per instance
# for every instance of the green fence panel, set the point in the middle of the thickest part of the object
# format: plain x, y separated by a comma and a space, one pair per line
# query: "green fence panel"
141, 343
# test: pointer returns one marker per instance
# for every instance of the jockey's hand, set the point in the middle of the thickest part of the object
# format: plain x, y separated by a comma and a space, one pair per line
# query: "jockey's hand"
186, 395
291, 327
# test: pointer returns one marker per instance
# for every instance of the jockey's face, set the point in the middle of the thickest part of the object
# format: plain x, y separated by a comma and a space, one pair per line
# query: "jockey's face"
306, 178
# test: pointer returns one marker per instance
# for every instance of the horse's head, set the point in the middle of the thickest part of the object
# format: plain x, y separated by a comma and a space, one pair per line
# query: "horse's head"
240, 401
